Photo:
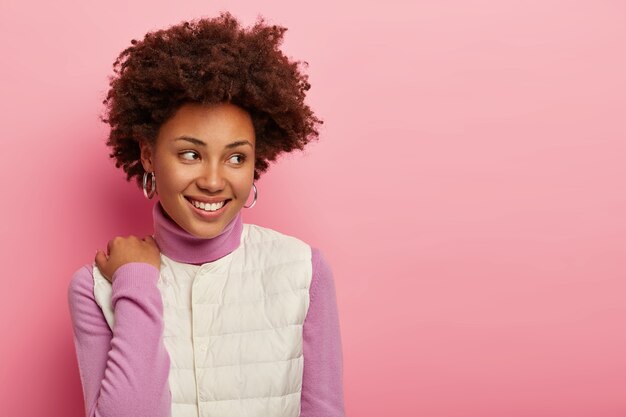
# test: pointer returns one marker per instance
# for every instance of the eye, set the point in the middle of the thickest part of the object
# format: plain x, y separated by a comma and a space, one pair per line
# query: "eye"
241, 157
188, 152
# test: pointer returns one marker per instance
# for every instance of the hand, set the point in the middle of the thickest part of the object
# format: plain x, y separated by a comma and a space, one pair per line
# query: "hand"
123, 250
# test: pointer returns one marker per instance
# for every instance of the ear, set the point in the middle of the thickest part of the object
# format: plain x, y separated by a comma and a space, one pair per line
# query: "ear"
147, 152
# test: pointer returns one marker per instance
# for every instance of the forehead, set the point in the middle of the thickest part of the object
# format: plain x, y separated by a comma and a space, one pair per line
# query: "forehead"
214, 124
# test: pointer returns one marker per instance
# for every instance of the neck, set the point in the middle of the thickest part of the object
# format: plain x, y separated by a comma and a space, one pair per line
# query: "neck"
178, 244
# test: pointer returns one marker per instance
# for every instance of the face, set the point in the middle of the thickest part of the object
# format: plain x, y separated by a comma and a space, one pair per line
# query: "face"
203, 153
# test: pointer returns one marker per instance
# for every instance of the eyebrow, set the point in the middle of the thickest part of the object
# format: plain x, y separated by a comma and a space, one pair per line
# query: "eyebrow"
201, 143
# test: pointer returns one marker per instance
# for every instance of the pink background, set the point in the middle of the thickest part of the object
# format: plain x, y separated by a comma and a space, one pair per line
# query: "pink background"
468, 190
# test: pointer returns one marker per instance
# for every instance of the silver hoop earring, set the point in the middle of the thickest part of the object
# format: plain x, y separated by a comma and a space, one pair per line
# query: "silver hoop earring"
145, 183
255, 195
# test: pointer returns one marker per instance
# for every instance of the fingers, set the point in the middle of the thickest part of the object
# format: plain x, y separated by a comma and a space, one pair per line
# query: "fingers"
109, 246
150, 239
100, 259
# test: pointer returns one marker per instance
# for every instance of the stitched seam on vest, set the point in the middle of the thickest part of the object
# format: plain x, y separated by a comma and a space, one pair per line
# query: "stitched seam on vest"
259, 269
242, 332
246, 363
282, 237
208, 273
254, 398
248, 302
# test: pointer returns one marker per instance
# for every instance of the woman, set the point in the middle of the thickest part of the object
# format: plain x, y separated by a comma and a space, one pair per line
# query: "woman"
209, 316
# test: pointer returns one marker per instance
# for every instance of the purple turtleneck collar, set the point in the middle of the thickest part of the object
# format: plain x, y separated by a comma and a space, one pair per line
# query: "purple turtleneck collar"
178, 244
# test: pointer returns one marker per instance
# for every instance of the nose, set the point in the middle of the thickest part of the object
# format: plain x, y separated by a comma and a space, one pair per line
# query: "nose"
212, 178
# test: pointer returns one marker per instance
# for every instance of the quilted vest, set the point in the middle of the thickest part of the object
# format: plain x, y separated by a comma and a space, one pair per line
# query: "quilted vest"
233, 327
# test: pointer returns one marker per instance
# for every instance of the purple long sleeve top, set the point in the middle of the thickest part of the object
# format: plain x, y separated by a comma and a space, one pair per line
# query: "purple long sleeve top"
124, 371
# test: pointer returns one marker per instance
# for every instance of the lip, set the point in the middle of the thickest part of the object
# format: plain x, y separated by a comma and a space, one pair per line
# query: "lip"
212, 200
208, 214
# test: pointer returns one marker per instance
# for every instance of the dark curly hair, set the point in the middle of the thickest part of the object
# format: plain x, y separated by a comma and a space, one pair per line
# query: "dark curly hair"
210, 60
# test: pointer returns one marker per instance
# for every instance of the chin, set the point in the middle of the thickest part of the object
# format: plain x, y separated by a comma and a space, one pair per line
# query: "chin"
207, 232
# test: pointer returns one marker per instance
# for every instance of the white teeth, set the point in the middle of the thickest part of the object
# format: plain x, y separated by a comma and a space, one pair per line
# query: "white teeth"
208, 207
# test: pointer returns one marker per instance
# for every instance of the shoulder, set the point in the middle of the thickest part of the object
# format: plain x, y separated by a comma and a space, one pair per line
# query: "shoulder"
265, 236
319, 261
84, 310
86, 315
322, 282
262, 233
81, 283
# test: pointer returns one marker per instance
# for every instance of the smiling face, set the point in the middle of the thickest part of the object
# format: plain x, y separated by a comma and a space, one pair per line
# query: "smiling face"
205, 153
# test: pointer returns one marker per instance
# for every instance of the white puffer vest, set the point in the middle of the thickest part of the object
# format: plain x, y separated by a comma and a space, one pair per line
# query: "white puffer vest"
233, 327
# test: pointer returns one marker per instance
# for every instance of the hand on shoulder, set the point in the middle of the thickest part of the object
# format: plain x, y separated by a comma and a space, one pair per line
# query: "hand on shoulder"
123, 250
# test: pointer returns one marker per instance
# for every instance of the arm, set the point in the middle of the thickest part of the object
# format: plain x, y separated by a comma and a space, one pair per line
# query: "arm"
123, 372
322, 381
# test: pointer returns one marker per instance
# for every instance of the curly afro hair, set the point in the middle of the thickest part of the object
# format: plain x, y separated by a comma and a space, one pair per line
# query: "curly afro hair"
207, 61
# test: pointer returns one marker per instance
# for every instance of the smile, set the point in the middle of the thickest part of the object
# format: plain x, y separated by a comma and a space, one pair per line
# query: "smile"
207, 206
207, 211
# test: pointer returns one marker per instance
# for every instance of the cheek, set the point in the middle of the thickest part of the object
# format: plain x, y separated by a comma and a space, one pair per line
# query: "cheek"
243, 177
175, 179
244, 185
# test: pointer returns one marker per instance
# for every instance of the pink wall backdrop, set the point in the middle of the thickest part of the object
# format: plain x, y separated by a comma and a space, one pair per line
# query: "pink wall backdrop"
468, 190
